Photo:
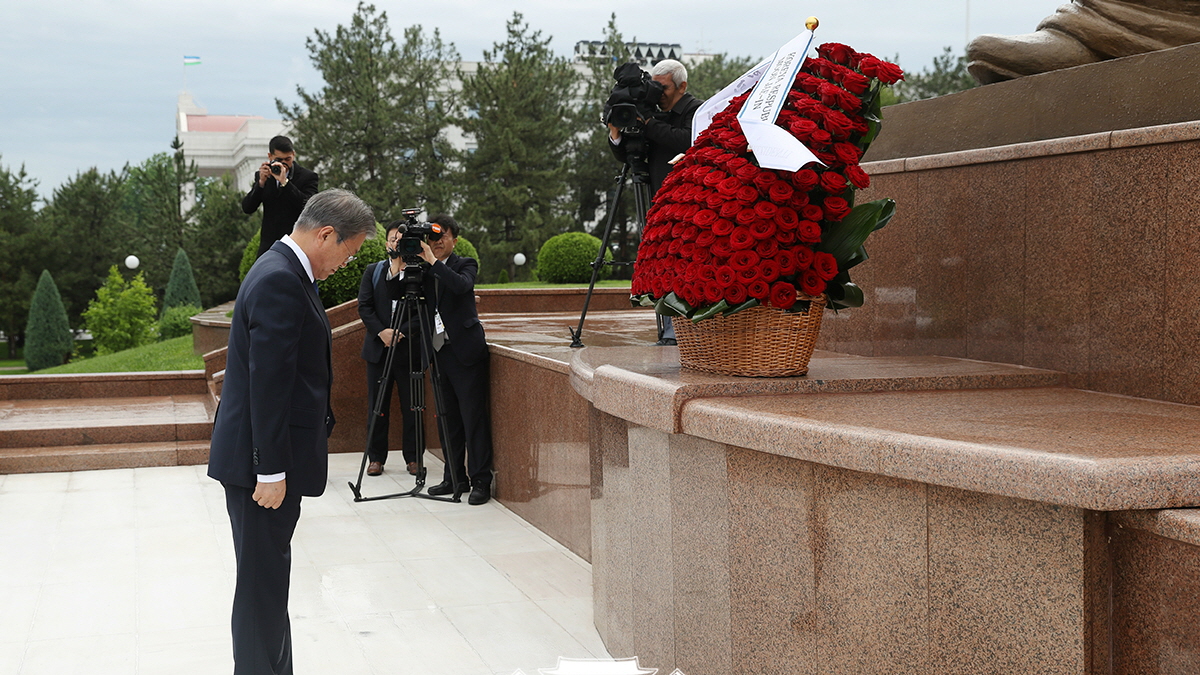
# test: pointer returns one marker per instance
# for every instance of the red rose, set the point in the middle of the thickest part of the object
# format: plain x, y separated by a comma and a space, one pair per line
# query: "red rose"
714, 200
746, 173
721, 247
706, 272
786, 260
808, 231
701, 254
722, 227
805, 179
836, 123
689, 275
780, 192
712, 178
812, 212
687, 250
769, 269
847, 153
713, 291
705, 218
735, 294
743, 260
855, 83
858, 177
783, 294
706, 238
746, 194
766, 210
802, 128
798, 201
749, 274
675, 245
746, 217
833, 182
825, 265
726, 275
736, 163
811, 284
804, 257
785, 238
821, 138
836, 52
762, 229
764, 180
729, 186
786, 218
730, 209
766, 248
889, 73
836, 208
741, 238
758, 289
829, 93
807, 83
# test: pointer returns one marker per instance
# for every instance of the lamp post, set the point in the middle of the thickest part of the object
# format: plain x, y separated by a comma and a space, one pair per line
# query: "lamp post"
517, 261
132, 262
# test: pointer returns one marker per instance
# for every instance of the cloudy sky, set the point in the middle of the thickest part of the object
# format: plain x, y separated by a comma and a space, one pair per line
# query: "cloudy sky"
94, 82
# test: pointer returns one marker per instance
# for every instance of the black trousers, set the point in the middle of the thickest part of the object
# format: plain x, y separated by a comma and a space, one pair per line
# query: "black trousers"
467, 428
262, 543
378, 449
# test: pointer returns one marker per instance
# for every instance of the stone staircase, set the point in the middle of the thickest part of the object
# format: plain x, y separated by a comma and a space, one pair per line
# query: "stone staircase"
103, 421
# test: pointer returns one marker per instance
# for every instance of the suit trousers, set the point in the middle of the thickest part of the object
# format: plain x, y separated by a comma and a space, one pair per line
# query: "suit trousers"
378, 449
466, 427
262, 544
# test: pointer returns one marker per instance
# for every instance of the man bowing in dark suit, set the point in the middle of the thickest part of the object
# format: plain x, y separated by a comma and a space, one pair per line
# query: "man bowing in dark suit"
462, 359
269, 441
282, 187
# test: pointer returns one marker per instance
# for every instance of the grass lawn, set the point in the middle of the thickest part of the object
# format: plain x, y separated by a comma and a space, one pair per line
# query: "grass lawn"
173, 354
611, 283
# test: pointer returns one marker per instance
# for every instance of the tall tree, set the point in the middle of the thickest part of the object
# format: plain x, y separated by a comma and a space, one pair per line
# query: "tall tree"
516, 182
83, 231
48, 339
217, 235
947, 75
711, 75
18, 197
158, 225
592, 186
377, 127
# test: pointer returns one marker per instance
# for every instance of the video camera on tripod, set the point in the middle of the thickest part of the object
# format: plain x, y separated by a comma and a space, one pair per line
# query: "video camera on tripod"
633, 98
412, 233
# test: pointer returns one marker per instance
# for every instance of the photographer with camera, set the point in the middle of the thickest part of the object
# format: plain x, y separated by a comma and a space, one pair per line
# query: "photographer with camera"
667, 131
377, 302
282, 187
463, 363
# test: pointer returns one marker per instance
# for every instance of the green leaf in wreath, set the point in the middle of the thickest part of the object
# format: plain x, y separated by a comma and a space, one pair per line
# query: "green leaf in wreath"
672, 305
851, 296
752, 302
885, 215
710, 311
855, 258
844, 238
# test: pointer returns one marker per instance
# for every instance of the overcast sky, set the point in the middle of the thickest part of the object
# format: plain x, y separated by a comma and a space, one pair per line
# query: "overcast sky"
95, 82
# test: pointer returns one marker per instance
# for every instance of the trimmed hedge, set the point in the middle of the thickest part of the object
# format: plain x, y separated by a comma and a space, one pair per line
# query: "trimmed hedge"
177, 321
567, 258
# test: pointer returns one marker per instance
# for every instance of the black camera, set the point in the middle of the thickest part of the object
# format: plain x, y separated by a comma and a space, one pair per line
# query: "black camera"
633, 98
412, 233
277, 167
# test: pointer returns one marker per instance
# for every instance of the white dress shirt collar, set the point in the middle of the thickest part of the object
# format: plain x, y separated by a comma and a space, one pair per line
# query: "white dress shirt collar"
287, 239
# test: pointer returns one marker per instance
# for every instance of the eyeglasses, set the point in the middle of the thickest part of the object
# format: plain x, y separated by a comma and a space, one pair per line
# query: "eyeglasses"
349, 258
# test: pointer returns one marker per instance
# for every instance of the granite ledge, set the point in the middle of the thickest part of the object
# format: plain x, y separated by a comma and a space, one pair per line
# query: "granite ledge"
1054, 445
649, 388
1181, 525
528, 357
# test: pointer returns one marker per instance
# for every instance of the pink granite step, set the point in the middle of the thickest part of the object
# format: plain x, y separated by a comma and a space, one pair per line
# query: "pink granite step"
102, 456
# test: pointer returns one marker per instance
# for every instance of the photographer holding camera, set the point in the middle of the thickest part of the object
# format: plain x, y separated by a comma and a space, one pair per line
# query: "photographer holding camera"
668, 132
282, 187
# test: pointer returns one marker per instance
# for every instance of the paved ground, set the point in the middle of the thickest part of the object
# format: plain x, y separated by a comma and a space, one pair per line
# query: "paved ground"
130, 571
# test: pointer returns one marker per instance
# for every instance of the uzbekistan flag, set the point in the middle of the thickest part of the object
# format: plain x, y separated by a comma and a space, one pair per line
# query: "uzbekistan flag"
191, 60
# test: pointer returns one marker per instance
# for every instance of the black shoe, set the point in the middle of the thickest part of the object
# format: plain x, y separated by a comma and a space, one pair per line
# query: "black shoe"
442, 488
666, 342
480, 494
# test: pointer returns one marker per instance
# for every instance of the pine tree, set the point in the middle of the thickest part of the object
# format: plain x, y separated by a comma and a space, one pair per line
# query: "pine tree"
181, 289
152, 207
516, 184
947, 76
48, 339
18, 195
217, 235
377, 127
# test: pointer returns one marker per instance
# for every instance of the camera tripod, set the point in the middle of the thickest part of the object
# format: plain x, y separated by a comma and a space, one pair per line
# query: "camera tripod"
413, 306
636, 165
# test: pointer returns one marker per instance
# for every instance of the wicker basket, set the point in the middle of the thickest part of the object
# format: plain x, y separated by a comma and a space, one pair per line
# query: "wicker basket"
757, 342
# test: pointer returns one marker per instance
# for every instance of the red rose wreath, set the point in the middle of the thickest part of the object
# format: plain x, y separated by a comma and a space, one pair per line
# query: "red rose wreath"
724, 234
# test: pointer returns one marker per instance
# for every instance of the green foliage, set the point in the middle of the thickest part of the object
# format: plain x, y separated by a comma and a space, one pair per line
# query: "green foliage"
176, 321
713, 74
465, 248
122, 315
342, 285
18, 195
152, 207
502, 278
249, 255
568, 258
378, 125
176, 354
216, 234
523, 123
948, 75
48, 338
181, 289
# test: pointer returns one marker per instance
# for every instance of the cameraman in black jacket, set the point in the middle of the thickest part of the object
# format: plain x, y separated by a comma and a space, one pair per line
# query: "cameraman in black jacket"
669, 133
283, 188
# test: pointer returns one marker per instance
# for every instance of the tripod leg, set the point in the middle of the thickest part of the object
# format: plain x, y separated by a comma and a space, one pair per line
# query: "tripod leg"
577, 334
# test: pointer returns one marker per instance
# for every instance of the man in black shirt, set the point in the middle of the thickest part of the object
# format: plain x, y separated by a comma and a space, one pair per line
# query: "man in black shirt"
669, 134
283, 188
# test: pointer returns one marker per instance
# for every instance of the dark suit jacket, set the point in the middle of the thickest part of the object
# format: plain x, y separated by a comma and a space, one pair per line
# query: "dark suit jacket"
375, 309
281, 206
666, 137
453, 284
274, 413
